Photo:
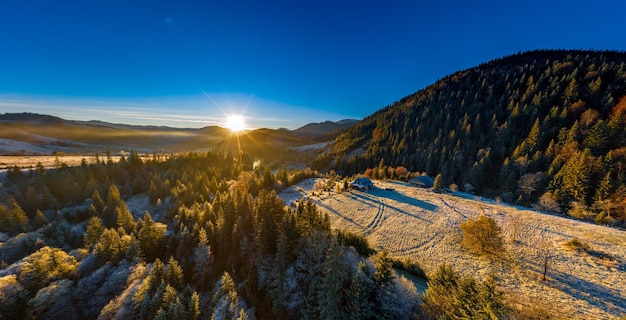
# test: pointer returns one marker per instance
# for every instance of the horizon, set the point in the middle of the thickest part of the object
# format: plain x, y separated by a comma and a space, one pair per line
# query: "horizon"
224, 125
278, 66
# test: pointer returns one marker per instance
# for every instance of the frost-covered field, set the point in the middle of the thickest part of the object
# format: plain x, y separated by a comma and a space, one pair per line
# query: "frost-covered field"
51, 161
425, 226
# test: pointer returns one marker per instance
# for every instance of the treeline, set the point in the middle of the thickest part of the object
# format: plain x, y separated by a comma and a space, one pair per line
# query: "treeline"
216, 242
542, 127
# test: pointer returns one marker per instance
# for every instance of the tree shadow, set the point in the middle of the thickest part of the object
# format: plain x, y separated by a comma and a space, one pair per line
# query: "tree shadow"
386, 194
396, 196
339, 214
597, 295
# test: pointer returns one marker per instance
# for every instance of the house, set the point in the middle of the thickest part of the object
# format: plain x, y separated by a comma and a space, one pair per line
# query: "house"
362, 183
422, 182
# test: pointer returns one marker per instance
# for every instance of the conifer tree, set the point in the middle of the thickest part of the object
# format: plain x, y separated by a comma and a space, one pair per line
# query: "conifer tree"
97, 202
153, 193
124, 218
150, 238
93, 232
14, 220
359, 293
109, 216
44, 266
332, 301
39, 220
202, 262
437, 185
174, 275
171, 306
573, 178
226, 301
109, 246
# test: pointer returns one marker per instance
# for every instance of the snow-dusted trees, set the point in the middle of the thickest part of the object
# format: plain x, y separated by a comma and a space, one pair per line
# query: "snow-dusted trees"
150, 237
13, 220
53, 302
13, 297
451, 296
334, 284
115, 212
326, 281
202, 262
224, 247
226, 301
161, 294
44, 266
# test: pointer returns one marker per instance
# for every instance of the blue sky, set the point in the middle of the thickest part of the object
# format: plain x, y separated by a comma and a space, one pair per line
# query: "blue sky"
279, 63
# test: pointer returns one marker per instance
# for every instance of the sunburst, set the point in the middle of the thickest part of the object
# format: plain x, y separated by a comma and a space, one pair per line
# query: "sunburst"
235, 123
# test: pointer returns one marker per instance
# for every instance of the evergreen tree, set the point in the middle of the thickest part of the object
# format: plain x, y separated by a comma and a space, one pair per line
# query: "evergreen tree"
110, 246
437, 185
14, 220
202, 263
45, 266
332, 301
93, 232
109, 216
226, 301
150, 238
39, 220
572, 180
97, 202
124, 218
153, 193
174, 275
359, 293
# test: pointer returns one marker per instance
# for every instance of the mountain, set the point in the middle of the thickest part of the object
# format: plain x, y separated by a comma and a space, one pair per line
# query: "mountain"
315, 130
27, 133
543, 126
32, 134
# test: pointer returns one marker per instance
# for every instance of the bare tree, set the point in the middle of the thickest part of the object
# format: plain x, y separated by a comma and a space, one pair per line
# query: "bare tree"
528, 184
543, 248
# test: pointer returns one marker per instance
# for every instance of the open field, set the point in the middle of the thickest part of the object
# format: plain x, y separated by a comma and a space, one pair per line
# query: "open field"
26, 162
424, 225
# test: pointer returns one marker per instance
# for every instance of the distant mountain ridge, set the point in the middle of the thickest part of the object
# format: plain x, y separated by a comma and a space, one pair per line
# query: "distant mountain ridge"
31, 133
323, 128
28, 117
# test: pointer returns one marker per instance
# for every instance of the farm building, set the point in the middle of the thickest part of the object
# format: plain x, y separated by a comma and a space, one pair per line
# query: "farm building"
422, 182
362, 183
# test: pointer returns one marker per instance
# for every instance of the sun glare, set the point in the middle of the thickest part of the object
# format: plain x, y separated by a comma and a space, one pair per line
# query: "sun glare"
235, 123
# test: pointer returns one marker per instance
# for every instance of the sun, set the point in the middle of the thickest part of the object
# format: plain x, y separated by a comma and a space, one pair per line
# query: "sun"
235, 123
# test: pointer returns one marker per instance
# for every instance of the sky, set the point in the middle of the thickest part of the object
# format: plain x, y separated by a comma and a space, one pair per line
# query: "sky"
279, 64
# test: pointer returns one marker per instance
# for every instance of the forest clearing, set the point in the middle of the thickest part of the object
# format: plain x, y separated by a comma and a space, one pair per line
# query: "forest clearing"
423, 225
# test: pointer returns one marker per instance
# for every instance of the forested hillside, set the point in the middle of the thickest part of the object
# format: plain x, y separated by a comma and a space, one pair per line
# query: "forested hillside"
185, 237
542, 127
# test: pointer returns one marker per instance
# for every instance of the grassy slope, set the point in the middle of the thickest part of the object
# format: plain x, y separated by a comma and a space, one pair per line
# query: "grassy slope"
425, 226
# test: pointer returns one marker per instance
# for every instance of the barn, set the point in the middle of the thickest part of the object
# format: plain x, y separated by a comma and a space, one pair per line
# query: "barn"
362, 183
422, 182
